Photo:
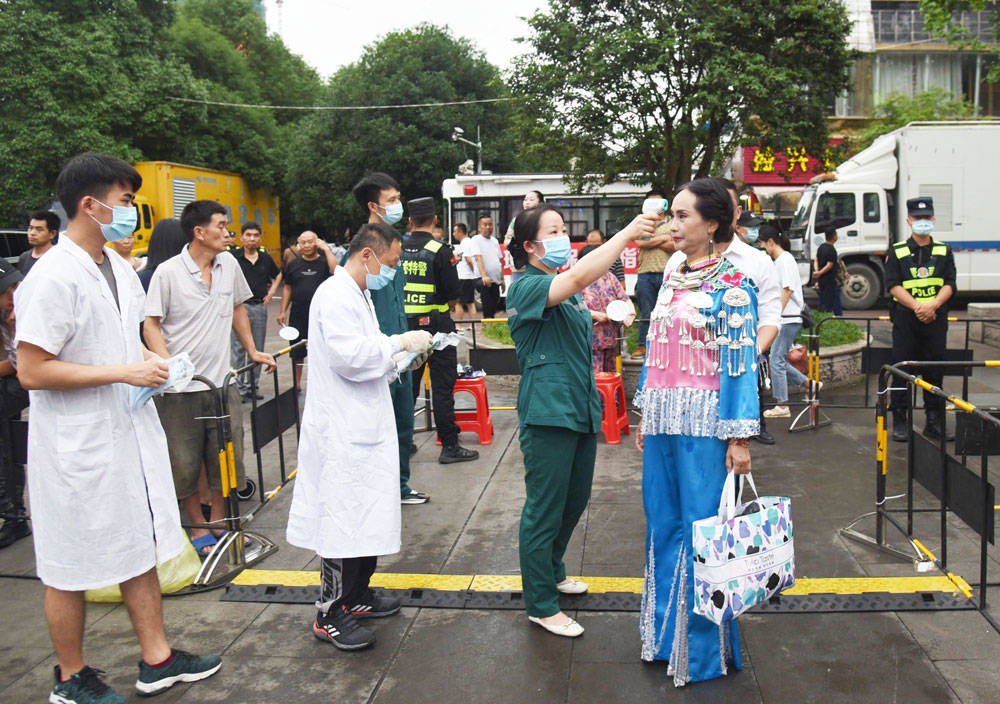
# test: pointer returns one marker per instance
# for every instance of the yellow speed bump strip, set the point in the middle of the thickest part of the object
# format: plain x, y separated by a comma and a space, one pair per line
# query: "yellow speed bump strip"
598, 585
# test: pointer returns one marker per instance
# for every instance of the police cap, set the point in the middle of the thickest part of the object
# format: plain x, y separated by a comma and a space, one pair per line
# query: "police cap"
748, 219
920, 207
420, 208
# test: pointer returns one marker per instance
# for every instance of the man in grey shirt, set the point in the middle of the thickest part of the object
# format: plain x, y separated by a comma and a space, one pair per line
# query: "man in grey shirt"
195, 299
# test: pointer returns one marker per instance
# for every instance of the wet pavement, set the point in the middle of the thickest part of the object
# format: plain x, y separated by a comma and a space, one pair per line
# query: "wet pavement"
442, 656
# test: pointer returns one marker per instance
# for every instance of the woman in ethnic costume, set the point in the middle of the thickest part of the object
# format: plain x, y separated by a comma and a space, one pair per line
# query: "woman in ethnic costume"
698, 395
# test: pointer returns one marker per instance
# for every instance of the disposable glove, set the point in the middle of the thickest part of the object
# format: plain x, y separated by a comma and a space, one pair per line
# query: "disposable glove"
418, 341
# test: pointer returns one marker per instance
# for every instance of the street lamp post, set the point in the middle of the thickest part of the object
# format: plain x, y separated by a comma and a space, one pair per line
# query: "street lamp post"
457, 136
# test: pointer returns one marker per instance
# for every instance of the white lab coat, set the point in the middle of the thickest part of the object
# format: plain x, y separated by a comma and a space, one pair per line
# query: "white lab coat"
346, 496
102, 495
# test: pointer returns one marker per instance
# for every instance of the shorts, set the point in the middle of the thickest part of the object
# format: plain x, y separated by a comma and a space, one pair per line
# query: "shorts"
467, 290
192, 443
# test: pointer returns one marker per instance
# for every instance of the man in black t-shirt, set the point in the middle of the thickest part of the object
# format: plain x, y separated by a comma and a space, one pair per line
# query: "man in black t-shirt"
43, 229
263, 277
301, 277
827, 263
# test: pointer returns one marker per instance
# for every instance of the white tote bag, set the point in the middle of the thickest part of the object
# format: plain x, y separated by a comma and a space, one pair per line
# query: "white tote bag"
744, 555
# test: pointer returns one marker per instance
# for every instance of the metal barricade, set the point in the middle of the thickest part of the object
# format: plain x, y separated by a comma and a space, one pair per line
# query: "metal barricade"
230, 556
873, 358
959, 489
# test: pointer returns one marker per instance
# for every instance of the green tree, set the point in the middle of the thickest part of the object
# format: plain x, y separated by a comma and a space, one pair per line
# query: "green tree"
899, 110
660, 91
76, 76
335, 149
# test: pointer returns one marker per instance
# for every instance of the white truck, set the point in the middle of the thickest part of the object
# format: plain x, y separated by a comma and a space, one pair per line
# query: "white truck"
865, 200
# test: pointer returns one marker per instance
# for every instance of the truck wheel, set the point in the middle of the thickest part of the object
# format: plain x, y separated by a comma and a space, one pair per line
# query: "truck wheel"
862, 288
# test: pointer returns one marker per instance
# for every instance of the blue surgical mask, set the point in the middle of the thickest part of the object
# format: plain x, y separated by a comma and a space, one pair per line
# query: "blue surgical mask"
752, 234
124, 218
557, 251
380, 280
393, 213
923, 227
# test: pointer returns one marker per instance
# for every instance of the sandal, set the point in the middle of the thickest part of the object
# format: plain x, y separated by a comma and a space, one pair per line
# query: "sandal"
205, 541
246, 538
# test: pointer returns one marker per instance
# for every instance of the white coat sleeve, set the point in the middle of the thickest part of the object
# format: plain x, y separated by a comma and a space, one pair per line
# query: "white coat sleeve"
769, 294
354, 355
46, 312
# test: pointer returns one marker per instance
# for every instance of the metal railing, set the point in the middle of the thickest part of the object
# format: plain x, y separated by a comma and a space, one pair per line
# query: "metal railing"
959, 490
230, 556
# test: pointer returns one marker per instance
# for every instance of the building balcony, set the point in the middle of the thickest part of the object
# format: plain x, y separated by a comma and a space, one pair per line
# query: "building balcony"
907, 27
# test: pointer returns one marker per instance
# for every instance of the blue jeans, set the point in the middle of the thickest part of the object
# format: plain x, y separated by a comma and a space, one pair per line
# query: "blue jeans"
647, 288
784, 374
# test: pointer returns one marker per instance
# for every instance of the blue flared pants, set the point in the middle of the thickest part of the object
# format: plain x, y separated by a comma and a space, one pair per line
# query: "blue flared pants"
682, 479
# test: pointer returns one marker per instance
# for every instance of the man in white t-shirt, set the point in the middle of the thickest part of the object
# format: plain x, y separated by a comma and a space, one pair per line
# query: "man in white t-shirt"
784, 374
489, 265
468, 275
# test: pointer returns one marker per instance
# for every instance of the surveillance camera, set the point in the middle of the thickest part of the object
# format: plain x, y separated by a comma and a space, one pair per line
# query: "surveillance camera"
458, 131
454, 137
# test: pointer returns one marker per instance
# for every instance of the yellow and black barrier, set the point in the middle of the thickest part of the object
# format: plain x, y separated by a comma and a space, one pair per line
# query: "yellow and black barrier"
485, 591
958, 489
238, 548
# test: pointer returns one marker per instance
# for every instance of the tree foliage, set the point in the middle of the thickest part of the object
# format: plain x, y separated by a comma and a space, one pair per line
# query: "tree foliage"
663, 91
95, 74
899, 110
335, 149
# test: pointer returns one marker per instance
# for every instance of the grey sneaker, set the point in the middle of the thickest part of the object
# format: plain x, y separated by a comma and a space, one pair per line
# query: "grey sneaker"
85, 687
415, 497
183, 667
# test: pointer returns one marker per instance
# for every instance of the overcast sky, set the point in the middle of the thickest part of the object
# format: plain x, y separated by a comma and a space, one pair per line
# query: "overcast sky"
331, 33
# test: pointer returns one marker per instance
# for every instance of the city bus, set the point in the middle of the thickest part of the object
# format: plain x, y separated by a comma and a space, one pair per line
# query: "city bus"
608, 208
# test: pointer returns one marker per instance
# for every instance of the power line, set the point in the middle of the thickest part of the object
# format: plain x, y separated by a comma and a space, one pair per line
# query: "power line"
337, 107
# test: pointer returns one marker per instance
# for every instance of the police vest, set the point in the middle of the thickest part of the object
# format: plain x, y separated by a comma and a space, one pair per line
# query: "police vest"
418, 267
922, 281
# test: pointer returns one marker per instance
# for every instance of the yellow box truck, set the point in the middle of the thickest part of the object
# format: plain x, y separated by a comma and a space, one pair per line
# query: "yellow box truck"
167, 188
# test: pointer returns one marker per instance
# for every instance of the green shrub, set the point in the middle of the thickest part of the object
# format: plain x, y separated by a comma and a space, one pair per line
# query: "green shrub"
836, 332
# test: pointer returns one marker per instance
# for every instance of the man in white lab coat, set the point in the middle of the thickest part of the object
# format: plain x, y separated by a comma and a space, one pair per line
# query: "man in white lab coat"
102, 498
346, 501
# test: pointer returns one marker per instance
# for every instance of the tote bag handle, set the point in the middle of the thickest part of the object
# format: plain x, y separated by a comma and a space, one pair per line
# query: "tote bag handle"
728, 501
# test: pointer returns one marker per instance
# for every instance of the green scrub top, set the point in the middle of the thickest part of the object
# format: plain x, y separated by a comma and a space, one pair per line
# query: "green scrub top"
554, 350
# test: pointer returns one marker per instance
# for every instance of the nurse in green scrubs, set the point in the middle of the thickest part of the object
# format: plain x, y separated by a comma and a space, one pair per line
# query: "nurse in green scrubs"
557, 403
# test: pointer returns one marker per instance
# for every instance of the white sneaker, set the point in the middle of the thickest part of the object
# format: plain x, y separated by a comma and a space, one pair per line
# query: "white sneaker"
570, 629
572, 586
778, 412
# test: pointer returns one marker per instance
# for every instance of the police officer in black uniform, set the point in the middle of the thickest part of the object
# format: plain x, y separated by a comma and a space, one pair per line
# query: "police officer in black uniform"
920, 275
431, 288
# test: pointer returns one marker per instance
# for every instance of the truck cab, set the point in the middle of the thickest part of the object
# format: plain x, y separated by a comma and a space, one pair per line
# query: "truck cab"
860, 212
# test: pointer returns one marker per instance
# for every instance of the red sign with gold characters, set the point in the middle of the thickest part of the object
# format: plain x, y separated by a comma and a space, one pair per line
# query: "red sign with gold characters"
763, 166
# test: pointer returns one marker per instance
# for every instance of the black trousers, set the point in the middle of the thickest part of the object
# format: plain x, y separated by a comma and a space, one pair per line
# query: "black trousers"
443, 366
490, 296
344, 581
914, 340
13, 400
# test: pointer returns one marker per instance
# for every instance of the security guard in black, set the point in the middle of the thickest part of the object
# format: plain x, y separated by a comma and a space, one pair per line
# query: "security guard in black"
431, 287
920, 276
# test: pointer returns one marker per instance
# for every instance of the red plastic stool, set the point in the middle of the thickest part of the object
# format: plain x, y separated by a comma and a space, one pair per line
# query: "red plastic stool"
615, 416
478, 421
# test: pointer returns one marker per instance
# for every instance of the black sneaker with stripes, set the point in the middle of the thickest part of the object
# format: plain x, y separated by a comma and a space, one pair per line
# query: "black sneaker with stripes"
373, 604
342, 629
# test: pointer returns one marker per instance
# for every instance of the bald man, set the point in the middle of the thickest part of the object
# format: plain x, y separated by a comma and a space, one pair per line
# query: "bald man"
300, 279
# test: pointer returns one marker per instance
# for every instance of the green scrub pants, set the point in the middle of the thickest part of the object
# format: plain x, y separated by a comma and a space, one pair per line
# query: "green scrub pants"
558, 472
401, 392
